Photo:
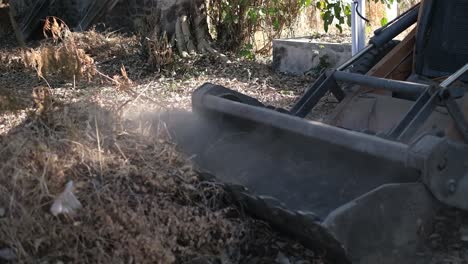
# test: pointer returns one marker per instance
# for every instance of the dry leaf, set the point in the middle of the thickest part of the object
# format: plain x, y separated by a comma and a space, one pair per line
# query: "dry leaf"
123, 82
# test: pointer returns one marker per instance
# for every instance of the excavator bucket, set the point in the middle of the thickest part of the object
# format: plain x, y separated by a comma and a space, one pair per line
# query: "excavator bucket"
364, 186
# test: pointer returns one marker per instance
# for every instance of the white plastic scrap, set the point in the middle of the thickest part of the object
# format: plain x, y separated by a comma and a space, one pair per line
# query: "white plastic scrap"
66, 202
7, 254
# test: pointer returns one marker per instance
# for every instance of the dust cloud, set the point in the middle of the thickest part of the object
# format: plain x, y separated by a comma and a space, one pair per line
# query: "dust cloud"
303, 173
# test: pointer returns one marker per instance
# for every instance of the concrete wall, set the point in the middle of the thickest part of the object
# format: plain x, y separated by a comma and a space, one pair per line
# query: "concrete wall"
310, 23
303, 55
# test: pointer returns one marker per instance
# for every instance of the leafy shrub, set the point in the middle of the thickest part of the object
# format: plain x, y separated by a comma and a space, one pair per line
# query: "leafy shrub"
236, 21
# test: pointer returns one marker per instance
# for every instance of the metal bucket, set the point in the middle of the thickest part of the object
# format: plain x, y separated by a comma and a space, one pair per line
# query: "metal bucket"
358, 197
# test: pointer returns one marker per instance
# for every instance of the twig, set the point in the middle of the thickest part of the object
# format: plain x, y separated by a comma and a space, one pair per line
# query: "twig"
43, 180
124, 104
144, 90
44, 79
99, 144
107, 77
121, 152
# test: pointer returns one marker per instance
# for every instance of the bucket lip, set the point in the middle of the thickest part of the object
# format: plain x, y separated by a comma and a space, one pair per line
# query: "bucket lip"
303, 226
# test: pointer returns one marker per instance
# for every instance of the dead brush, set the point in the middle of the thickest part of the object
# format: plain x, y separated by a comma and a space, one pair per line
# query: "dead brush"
55, 28
105, 46
62, 57
42, 100
159, 51
123, 83
155, 44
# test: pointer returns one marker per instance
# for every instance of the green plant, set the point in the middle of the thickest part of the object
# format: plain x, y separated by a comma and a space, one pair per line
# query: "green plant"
334, 10
235, 22
324, 63
339, 12
383, 21
247, 52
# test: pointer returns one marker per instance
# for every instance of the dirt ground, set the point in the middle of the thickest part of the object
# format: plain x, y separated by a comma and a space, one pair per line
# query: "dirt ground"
141, 201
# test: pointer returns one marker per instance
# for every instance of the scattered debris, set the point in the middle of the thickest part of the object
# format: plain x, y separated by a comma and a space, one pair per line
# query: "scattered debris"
66, 202
2, 212
10, 62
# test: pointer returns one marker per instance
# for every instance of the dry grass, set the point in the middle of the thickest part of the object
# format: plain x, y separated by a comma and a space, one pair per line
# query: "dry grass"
64, 59
142, 202
125, 200
103, 46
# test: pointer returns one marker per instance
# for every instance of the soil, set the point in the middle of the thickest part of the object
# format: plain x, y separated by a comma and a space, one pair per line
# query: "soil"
141, 201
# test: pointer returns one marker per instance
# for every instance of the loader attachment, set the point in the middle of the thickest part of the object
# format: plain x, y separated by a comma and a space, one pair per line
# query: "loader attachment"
360, 194
274, 153
358, 197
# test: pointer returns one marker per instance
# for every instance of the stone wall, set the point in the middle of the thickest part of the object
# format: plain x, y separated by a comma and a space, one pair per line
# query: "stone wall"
304, 55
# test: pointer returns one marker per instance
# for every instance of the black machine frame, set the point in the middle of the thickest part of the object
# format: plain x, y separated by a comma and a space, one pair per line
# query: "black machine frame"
420, 154
429, 96
423, 160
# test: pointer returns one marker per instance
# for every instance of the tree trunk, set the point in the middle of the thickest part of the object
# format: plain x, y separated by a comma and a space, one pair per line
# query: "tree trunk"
5, 26
182, 22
